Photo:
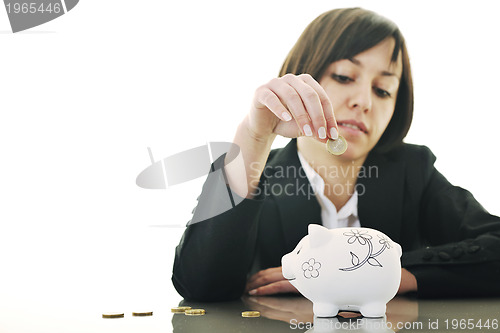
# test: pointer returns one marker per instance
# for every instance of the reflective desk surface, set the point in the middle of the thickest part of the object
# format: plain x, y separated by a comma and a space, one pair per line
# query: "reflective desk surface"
294, 314
278, 314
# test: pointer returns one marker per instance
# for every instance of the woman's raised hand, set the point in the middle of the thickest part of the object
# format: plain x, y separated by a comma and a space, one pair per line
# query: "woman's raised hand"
291, 106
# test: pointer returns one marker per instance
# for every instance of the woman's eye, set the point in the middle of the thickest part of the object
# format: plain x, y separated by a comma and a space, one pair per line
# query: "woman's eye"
299, 251
341, 78
382, 93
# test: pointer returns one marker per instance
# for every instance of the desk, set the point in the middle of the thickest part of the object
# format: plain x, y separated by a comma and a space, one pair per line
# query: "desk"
58, 295
294, 314
278, 314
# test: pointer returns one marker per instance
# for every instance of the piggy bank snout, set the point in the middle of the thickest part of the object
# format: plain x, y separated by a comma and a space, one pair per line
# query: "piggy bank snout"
286, 266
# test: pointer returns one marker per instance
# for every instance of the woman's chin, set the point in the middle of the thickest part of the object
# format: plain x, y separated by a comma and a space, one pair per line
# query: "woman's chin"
353, 153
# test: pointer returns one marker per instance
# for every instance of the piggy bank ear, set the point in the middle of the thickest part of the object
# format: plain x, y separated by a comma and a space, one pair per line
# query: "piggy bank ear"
399, 249
318, 235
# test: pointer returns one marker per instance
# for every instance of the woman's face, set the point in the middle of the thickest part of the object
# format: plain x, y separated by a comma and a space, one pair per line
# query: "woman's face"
363, 92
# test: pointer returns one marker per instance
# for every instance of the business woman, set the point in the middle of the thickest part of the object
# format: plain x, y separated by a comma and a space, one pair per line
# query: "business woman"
348, 74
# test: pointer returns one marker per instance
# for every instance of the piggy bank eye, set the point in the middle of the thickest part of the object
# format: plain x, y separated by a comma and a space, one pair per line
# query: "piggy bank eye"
299, 251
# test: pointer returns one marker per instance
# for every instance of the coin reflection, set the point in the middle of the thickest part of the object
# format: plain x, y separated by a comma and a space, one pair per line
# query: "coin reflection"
282, 313
298, 312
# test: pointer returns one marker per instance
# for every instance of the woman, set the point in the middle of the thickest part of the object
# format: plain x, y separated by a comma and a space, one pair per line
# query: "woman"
348, 74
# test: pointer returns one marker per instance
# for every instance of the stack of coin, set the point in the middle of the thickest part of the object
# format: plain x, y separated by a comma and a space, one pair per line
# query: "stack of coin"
195, 312
250, 314
113, 315
180, 309
142, 314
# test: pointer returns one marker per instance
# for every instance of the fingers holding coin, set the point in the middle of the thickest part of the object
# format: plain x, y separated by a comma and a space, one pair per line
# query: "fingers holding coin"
315, 116
301, 98
328, 115
291, 100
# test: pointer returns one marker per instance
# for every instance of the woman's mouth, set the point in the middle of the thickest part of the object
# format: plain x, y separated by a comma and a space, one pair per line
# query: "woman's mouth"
353, 125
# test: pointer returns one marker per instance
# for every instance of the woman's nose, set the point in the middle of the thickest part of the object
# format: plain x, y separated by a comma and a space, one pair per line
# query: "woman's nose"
361, 98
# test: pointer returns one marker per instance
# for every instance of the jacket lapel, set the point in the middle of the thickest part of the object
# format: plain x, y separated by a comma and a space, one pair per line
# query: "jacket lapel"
380, 195
293, 194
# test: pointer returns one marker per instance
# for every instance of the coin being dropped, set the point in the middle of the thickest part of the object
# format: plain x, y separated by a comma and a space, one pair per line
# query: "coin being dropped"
336, 147
181, 309
142, 313
250, 314
195, 312
113, 315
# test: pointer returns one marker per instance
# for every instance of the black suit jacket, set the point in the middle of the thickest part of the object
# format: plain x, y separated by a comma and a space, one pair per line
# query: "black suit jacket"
450, 243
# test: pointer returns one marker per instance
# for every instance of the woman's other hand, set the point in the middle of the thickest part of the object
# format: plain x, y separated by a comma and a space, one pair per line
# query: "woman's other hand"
291, 106
408, 282
271, 281
268, 282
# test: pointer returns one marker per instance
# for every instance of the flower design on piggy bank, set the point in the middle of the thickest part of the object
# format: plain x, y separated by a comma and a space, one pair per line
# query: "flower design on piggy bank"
364, 238
311, 268
384, 241
356, 235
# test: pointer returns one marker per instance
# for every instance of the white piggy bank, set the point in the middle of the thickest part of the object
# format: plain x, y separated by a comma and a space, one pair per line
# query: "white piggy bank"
350, 269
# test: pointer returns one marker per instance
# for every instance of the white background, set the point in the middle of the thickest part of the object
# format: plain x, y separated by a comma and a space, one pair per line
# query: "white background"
83, 96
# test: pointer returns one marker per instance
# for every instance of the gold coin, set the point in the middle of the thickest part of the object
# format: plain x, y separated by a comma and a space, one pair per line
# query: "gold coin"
250, 314
336, 147
142, 314
181, 309
195, 312
113, 315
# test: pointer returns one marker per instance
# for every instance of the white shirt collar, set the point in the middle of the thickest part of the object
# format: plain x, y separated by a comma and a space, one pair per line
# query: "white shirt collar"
347, 216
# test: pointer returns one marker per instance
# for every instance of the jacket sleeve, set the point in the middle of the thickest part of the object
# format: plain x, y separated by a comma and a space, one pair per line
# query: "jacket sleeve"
461, 253
217, 249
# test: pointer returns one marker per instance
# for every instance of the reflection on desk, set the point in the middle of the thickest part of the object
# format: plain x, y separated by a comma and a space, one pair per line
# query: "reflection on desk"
295, 314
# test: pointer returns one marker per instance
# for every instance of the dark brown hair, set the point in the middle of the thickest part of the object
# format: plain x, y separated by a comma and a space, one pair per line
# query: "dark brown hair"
342, 34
